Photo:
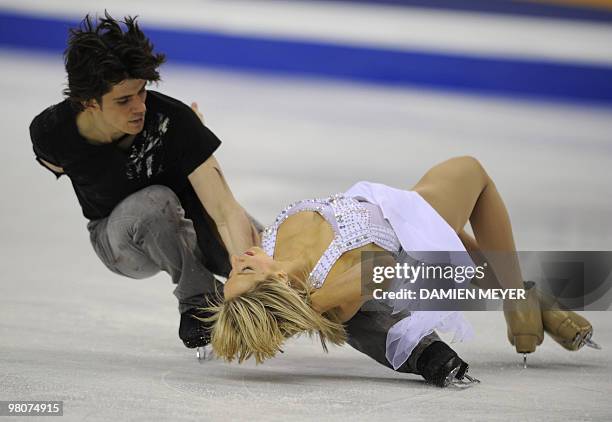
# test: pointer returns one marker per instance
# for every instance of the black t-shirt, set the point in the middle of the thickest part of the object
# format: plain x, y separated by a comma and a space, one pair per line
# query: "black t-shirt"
172, 144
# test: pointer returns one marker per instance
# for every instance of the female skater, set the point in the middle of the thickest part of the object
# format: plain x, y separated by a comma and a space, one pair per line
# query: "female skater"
307, 277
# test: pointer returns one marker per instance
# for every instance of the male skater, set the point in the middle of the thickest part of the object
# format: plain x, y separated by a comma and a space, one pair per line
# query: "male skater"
142, 167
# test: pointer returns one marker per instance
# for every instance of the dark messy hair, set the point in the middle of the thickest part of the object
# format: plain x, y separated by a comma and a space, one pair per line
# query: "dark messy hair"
100, 56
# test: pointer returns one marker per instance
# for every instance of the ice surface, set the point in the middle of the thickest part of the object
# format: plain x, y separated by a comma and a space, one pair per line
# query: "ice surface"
71, 330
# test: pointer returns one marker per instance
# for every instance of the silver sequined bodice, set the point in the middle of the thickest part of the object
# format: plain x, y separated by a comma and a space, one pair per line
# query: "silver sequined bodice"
354, 223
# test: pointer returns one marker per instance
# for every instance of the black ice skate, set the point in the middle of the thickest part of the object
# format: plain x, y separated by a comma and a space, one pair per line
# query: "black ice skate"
195, 333
441, 366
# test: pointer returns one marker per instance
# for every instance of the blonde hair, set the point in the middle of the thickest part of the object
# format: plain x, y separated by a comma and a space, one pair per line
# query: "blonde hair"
258, 322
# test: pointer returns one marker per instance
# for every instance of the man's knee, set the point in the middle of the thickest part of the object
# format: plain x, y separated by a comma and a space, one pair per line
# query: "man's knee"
160, 207
152, 215
159, 197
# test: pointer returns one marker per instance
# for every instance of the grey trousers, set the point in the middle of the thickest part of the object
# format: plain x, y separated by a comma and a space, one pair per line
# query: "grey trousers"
147, 233
367, 332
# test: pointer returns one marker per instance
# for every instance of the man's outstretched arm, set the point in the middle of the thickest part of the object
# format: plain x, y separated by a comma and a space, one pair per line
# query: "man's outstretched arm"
234, 226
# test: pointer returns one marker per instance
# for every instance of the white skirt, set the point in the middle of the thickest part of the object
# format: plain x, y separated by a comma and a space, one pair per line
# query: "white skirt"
419, 228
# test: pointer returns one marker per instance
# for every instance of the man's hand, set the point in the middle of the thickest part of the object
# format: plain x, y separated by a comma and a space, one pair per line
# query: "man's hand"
196, 110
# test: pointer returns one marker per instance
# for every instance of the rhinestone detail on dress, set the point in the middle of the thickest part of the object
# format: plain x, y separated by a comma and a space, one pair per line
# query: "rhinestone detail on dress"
352, 227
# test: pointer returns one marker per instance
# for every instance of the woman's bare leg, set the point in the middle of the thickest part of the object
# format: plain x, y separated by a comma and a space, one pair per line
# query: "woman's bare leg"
460, 190
470, 244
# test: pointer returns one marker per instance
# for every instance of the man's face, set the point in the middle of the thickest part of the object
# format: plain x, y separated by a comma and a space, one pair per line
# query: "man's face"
123, 108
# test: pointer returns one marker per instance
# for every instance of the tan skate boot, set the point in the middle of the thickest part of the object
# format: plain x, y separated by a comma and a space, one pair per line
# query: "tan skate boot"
567, 328
524, 321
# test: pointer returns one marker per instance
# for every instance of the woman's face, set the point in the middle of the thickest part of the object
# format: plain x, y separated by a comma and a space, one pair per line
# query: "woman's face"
248, 269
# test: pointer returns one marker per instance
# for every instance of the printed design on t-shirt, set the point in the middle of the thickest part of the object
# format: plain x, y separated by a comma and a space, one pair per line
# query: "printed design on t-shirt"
145, 159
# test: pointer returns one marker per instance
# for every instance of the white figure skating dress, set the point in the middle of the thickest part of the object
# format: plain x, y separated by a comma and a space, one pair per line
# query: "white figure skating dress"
392, 219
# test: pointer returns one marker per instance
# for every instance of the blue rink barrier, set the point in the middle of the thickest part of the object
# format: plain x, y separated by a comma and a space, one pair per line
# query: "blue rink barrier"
522, 78
573, 11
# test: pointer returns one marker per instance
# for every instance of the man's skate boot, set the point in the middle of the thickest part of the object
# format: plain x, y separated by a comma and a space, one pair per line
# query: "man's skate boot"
441, 366
192, 331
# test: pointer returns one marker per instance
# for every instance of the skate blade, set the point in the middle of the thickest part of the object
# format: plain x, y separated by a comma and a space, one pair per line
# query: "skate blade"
450, 377
466, 382
588, 341
204, 353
